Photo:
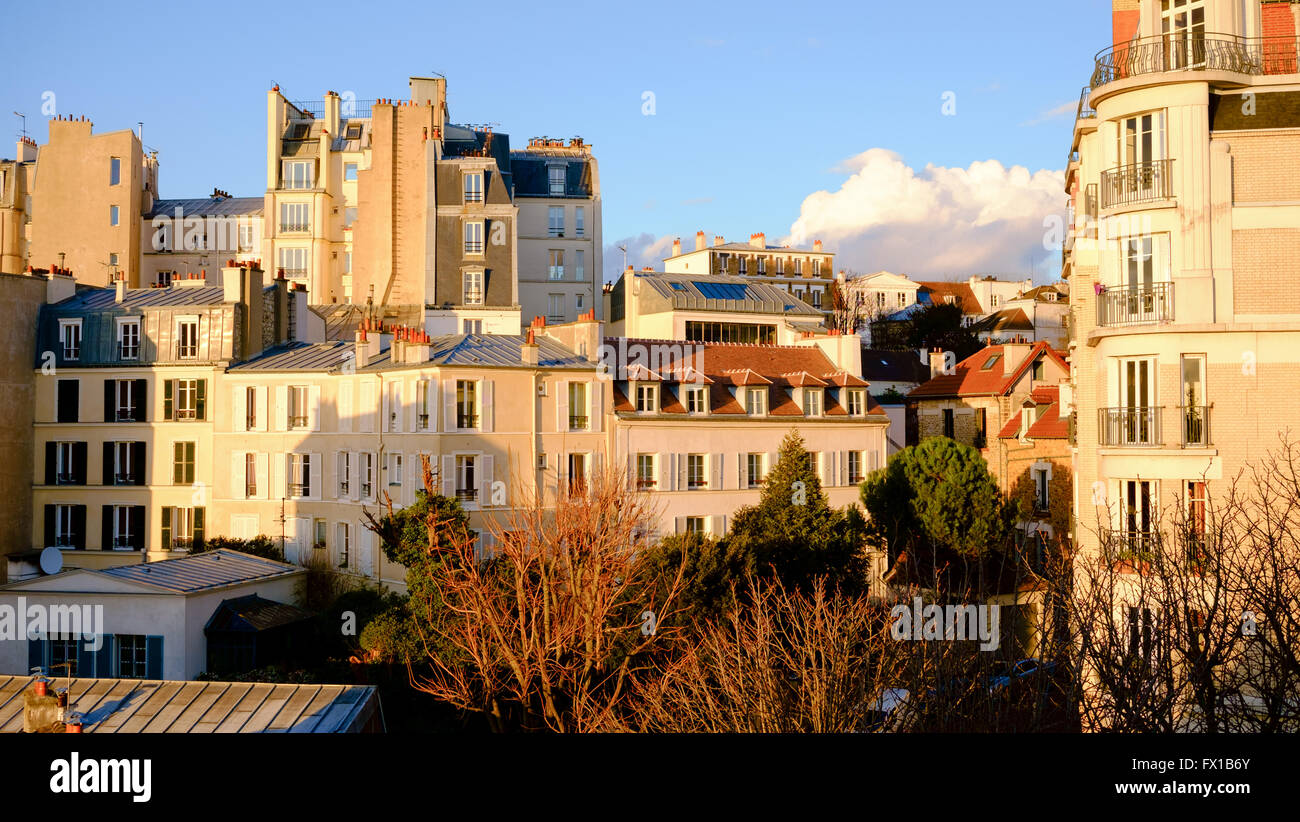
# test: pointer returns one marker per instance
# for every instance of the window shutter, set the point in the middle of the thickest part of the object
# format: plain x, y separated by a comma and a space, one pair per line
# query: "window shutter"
344, 395
169, 387
199, 526
138, 460
385, 418
354, 480
79, 527
313, 408
141, 396
51, 469
679, 525
104, 657
106, 521
85, 660
263, 422
49, 525
772, 458
719, 525
432, 387
282, 408
261, 469
682, 479
278, 476
108, 463
597, 390
201, 400
716, 480
239, 402
412, 390
110, 401
238, 475
315, 477
166, 528
488, 418
36, 657
153, 657
137, 527
486, 474
449, 406
448, 476
665, 471
562, 407
79, 463
742, 473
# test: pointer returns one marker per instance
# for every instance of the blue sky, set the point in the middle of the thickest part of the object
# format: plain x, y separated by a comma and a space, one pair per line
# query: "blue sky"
757, 106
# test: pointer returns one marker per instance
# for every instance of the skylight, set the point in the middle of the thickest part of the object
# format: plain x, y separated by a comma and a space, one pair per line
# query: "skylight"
991, 361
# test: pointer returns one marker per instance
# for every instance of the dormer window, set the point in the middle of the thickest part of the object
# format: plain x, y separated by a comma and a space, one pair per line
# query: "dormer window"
474, 187
647, 399
856, 402
695, 400
812, 402
354, 132
756, 401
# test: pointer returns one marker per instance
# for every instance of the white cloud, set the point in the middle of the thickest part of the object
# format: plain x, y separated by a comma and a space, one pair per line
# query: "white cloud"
642, 250
1068, 107
939, 223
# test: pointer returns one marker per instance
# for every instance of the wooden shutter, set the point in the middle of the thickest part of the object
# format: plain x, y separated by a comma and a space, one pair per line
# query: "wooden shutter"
313, 407
412, 390
36, 656
488, 418
679, 525
153, 658
597, 390
139, 461
110, 401
449, 407
200, 399
354, 478
742, 471
108, 464
199, 525
238, 475
166, 528
683, 476
562, 407
51, 463
49, 525
385, 420
79, 463
137, 527
169, 408
664, 464
344, 395
104, 656
449, 476
715, 481
239, 402
140, 394
263, 421
282, 408
106, 522
261, 470
314, 476
79, 527
718, 526
485, 482
278, 488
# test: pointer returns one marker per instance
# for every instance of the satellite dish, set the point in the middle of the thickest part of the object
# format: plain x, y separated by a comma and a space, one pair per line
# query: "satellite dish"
51, 560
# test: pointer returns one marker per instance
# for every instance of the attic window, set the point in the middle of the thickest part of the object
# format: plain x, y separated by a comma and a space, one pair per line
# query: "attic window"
990, 362
1039, 371
678, 287
354, 131
300, 131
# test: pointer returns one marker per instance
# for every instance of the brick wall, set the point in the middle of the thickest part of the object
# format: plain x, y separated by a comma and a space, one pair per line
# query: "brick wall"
1265, 262
1256, 158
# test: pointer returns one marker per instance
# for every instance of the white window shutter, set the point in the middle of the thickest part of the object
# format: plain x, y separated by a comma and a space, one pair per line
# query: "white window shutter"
239, 397
597, 392
262, 423
449, 406
282, 408
772, 458
682, 479
449, 476
679, 525
278, 465
368, 538
412, 393
562, 407
354, 481
718, 526
432, 387
715, 481
365, 412
238, 473
345, 406
261, 467
664, 464
485, 485
742, 475
385, 421
487, 419
313, 407
315, 477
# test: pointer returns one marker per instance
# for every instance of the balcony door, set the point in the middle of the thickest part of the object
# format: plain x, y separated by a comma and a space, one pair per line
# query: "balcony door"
1138, 516
1182, 25
1137, 399
1195, 413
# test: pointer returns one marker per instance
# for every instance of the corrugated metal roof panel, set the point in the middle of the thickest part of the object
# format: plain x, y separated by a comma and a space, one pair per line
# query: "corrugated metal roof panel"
211, 569
210, 206
299, 357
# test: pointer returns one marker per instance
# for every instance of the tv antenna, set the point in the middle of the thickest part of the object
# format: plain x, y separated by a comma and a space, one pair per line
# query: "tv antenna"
23, 129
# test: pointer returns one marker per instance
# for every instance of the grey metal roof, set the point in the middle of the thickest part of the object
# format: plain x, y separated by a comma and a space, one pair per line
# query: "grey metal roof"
705, 292
210, 206
163, 706
211, 569
299, 356
97, 298
490, 350
342, 319
748, 247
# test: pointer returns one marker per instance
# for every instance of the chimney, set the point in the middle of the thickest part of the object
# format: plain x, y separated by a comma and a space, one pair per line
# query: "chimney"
241, 283
60, 285
1013, 354
936, 362
717, 239
1066, 403
700, 242
528, 350
26, 150
119, 287
332, 101
817, 245
677, 246
758, 240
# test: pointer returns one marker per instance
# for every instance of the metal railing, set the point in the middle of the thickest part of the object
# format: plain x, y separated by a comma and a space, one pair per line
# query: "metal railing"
1195, 425
473, 246
422, 421
466, 420
299, 489
1137, 183
1085, 106
1124, 544
645, 484
577, 421
467, 494
1195, 52
124, 479
1130, 426
126, 414
298, 422
289, 228
1136, 305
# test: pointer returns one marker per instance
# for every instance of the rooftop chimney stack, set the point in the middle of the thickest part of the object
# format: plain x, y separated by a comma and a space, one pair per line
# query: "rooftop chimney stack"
677, 246
700, 241
717, 239
936, 362
817, 245
528, 351
758, 240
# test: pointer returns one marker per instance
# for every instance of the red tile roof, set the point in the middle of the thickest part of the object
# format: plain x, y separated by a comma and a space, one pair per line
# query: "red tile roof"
1048, 425
970, 378
961, 292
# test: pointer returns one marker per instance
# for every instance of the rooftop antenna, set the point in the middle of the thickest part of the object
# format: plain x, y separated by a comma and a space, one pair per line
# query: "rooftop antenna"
24, 123
623, 248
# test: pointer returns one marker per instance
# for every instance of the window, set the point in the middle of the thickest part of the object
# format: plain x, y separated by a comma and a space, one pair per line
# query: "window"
293, 262
65, 522
727, 332
114, 170
70, 335
579, 221
855, 467
297, 174
856, 403
422, 401
471, 326
474, 237
1042, 498
1038, 370
473, 285
1141, 633
579, 265
754, 470
128, 339
122, 536
343, 541
250, 408
300, 475
68, 403
474, 187
350, 169
250, 475
63, 655
880, 299
555, 176
902, 298
367, 475
466, 489
353, 132
555, 221
993, 300
349, 216
113, 215
646, 477
695, 525
294, 217
298, 412
184, 399
132, 656
762, 265
1137, 515
647, 397
128, 463
798, 266
555, 308
182, 528
813, 460
812, 402
816, 295
577, 474
466, 404
343, 472
695, 471
112, 263
780, 266
128, 400
164, 278
319, 527
555, 269
695, 400
756, 401
67, 465
183, 463
817, 268
949, 424
395, 469
187, 339
578, 406
743, 264
347, 262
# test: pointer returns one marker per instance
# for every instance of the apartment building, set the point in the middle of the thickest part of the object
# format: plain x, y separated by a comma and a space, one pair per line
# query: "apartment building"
557, 191
1037, 314
698, 426
184, 238
15, 206
1185, 240
807, 274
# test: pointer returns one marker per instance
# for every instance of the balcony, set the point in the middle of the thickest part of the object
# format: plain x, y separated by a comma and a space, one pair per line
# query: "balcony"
467, 420
1195, 52
297, 422
1136, 305
299, 489
422, 421
643, 484
295, 228
126, 415
577, 422
1195, 425
294, 273
1085, 109
473, 246
1138, 183
1137, 427
124, 479
1123, 545
467, 494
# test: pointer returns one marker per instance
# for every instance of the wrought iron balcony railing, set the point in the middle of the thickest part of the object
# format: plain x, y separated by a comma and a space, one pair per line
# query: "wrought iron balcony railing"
467, 420
1137, 183
467, 494
1195, 425
1195, 52
1085, 106
1123, 544
1136, 305
577, 422
1130, 427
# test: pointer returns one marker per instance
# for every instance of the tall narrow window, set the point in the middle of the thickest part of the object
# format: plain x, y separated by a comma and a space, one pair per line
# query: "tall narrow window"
555, 221
646, 476
473, 285
555, 268
466, 404
70, 335
128, 339
343, 472
293, 261
299, 396
695, 471
474, 237
579, 264
300, 475
754, 470
250, 408
250, 475
578, 406
183, 463
294, 217
579, 221
114, 170
113, 215
474, 187
466, 487
555, 176
187, 339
